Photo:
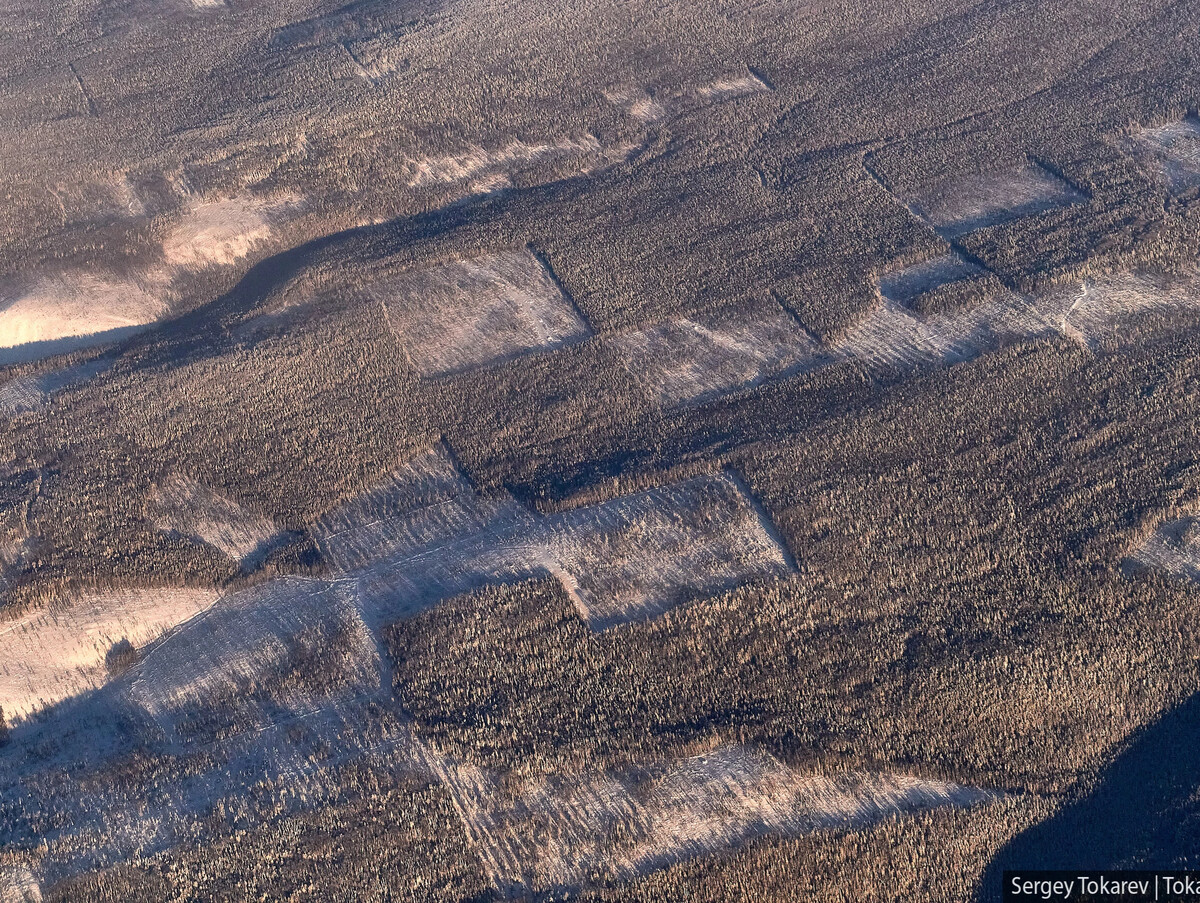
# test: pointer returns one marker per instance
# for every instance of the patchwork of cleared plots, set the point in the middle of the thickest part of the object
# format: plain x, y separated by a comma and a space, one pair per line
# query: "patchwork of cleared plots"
1176, 150
470, 313
562, 832
223, 232
964, 203
687, 361
1174, 548
183, 506
906, 285
61, 652
637, 557
697, 357
259, 656
276, 685
138, 804
74, 306
425, 535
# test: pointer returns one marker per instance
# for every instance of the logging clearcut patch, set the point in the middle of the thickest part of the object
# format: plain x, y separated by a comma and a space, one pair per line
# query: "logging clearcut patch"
562, 832
964, 203
1176, 149
222, 232
459, 316
59, 652
477, 162
74, 306
183, 506
636, 557
1174, 548
906, 285
705, 355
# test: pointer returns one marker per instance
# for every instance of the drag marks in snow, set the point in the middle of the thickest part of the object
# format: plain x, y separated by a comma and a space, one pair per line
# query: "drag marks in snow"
470, 313
562, 832
276, 685
24, 394
265, 653
59, 652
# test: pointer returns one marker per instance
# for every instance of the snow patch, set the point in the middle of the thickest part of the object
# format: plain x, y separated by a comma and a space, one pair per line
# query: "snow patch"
961, 204
701, 356
222, 232
75, 305
59, 652
1176, 149
562, 832
182, 505
463, 315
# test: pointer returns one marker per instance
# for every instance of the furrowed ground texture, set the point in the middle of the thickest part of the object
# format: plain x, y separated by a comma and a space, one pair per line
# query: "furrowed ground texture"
720, 451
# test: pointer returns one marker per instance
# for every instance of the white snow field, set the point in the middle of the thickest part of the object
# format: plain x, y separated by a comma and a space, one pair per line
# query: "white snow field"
466, 314
59, 652
964, 203
183, 506
73, 306
700, 356
1176, 149
1173, 548
222, 232
560, 832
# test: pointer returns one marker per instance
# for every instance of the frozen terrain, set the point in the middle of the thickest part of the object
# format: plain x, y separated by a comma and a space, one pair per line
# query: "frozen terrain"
905, 285
71, 307
222, 232
1175, 148
183, 506
56, 653
1174, 549
278, 685
555, 832
964, 203
700, 356
470, 313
